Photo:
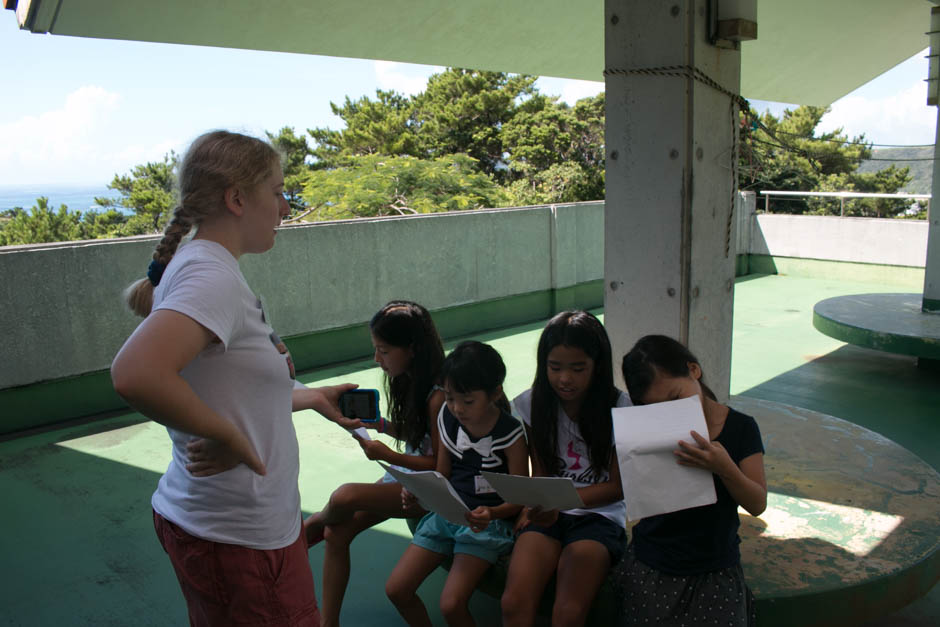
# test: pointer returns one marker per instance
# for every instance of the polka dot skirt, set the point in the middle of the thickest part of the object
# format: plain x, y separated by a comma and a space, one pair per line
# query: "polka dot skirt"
719, 598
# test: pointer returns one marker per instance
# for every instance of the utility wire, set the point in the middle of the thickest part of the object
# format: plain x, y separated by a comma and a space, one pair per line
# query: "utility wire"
781, 145
851, 143
904, 160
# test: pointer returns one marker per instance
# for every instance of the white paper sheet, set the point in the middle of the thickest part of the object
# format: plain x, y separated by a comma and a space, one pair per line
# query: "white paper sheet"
434, 492
544, 492
361, 432
653, 481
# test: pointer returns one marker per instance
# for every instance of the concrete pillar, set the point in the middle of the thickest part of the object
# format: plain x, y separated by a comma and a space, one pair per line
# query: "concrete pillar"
671, 147
931, 300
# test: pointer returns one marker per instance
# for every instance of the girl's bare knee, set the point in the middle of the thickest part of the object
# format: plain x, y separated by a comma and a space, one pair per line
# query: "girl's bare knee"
335, 535
453, 606
343, 497
515, 606
398, 593
567, 613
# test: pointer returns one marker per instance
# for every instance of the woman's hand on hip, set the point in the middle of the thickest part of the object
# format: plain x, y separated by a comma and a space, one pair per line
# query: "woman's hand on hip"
210, 457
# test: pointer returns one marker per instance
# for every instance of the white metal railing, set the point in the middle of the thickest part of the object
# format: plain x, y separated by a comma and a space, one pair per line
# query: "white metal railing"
840, 195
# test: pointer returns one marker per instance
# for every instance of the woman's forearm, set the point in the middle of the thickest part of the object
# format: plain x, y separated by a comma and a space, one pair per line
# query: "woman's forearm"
169, 400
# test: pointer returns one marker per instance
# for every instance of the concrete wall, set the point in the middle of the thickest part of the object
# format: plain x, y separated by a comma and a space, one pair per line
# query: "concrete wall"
861, 240
63, 315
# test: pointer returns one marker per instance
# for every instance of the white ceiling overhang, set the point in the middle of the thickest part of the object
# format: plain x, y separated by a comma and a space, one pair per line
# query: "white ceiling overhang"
807, 51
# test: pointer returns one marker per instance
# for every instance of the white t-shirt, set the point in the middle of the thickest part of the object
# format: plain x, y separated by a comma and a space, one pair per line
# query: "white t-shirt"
245, 379
573, 455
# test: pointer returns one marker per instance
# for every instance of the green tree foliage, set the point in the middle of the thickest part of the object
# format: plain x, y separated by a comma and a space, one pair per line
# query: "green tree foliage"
381, 185
463, 111
475, 139
538, 149
39, 224
555, 153
149, 191
382, 126
104, 224
787, 154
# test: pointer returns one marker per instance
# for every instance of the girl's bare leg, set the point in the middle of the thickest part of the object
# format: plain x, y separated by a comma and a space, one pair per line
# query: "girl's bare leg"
465, 574
534, 559
582, 568
378, 502
345, 501
402, 586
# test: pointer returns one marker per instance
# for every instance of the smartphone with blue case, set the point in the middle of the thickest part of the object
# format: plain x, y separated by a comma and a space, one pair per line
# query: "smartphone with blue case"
361, 404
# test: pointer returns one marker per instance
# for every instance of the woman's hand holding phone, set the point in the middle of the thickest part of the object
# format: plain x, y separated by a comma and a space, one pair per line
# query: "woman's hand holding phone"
361, 404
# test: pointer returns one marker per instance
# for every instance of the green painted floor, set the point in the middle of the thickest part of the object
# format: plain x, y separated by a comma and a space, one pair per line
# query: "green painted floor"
78, 548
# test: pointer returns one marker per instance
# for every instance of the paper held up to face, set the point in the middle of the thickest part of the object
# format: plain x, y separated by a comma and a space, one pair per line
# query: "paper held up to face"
434, 492
544, 492
653, 481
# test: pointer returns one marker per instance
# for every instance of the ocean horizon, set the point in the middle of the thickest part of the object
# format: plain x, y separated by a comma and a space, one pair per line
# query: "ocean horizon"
75, 197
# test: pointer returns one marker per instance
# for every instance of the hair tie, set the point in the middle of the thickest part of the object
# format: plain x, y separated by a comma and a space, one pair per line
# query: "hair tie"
155, 272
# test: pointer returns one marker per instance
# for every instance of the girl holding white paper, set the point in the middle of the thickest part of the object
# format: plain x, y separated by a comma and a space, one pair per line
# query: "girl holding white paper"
409, 351
476, 433
568, 422
689, 561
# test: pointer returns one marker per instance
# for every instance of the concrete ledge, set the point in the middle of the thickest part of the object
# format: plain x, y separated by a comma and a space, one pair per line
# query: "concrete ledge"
850, 531
59, 400
893, 323
849, 534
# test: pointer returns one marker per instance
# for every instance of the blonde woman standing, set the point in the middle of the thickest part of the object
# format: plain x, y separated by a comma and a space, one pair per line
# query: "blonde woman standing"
206, 364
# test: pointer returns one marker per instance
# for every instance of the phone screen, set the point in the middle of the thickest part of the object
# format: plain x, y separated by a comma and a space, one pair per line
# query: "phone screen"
361, 404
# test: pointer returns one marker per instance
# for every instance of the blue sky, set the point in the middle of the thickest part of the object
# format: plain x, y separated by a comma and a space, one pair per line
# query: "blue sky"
77, 111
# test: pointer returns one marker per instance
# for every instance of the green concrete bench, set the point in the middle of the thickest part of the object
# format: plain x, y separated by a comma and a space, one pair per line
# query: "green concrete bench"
893, 323
850, 532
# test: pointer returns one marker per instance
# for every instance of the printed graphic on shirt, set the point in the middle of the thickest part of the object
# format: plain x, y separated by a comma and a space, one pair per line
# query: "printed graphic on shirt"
276, 340
282, 349
259, 303
576, 465
573, 455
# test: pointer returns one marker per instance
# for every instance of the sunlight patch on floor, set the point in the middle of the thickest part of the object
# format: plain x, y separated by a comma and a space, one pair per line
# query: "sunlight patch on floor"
854, 529
145, 445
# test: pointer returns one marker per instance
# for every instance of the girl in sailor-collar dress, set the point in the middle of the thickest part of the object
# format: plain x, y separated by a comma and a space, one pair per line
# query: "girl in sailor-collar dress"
477, 433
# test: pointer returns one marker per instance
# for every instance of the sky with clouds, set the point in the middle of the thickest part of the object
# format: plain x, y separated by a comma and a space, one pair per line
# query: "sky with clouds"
77, 111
